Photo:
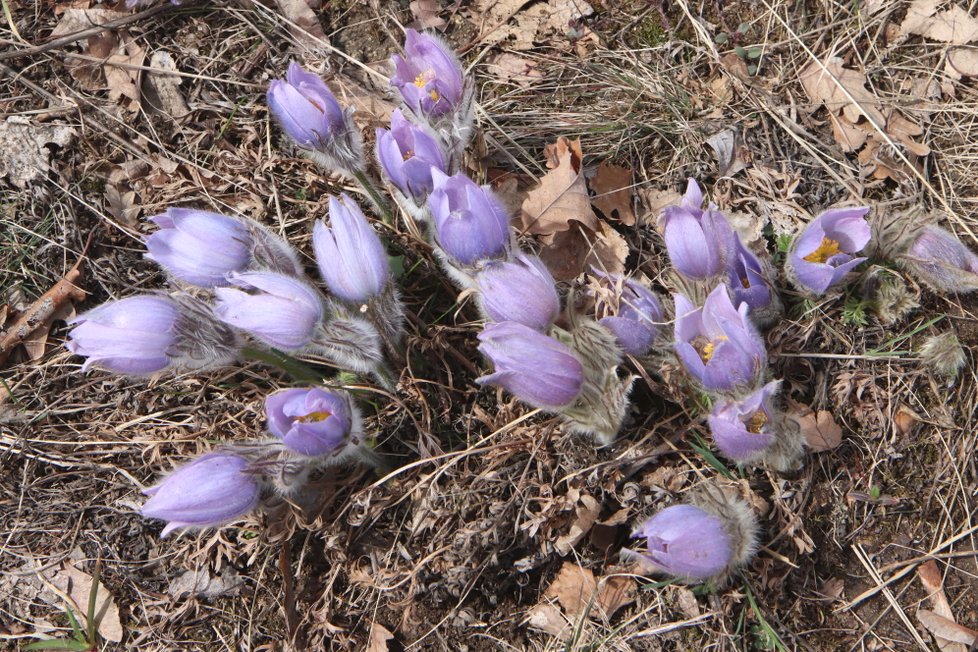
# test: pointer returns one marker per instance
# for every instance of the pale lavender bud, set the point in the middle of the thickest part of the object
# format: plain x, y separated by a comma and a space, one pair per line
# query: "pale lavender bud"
309, 113
279, 310
717, 343
199, 247
700, 243
744, 429
428, 76
146, 334
633, 316
535, 368
942, 261
747, 281
407, 153
210, 491
825, 251
312, 422
686, 542
470, 222
350, 255
521, 291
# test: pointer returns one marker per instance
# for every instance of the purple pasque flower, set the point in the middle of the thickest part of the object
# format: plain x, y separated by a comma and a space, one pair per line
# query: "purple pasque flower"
717, 343
535, 368
428, 76
350, 255
942, 261
136, 335
306, 109
743, 429
825, 251
747, 281
209, 491
199, 247
686, 542
471, 224
279, 310
407, 153
521, 290
312, 421
700, 242
633, 319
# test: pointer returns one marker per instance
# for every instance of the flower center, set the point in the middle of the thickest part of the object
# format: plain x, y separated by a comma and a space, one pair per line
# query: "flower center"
826, 250
321, 415
744, 282
424, 78
408, 153
706, 348
757, 422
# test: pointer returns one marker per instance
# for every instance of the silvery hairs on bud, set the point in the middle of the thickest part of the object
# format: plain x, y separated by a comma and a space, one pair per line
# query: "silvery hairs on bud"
943, 354
202, 340
344, 153
353, 343
271, 252
740, 521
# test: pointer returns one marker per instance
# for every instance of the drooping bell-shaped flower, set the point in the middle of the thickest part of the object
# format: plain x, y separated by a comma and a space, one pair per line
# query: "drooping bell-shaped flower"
942, 261
471, 224
428, 76
312, 422
521, 290
146, 334
700, 242
532, 366
717, 343
312, 117
686, 542
350, 255
826, 250
279, 310
199, 247
633, 317
406, 154
744, 429
210, 491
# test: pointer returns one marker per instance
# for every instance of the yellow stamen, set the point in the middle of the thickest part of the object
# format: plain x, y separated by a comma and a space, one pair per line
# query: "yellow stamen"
434, 95
706, 347
408, 153
322, 415
424, 78
757, 422
826, 250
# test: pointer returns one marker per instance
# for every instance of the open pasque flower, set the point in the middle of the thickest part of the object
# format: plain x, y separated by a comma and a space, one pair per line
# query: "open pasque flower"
279, 310
826, 250
407, 153
533, 367
744, 429
312, 422
428, 76
210, 491
634, 320
717, 343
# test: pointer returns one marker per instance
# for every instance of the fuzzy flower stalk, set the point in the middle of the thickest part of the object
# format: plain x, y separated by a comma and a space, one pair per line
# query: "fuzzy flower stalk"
704, 540
826, 251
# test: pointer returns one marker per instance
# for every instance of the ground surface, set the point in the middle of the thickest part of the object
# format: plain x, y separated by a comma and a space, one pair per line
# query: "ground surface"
458, 547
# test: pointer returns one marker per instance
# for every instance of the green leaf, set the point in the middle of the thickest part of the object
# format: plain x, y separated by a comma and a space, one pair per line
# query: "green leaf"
755, 52
721, 38
741, 52
397, 266
93, 601
57, 644
75, 627
700, 447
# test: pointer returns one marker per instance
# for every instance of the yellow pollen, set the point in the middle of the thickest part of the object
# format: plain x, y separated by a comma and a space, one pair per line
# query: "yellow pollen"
757, 422
434, 96
706, 348
322, 415
424, 78
826, 250
408, 153
744, 282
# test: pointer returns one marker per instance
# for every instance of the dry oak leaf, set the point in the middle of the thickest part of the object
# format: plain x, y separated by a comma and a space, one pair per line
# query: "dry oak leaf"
307, 29
378, 638
561, 197
947, 629
122, 73
825, 83
427, 14
930, 578
820, 431
24, 154
612, 185
76, 586
962, 62
578, 592
509, 67
523, 22
955, 25
587, 513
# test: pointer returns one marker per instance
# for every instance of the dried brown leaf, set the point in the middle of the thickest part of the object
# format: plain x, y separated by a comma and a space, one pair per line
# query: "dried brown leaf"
573, 588
122, 73
653, 200
77, 586
560, 199
427, 14
547, 618
586, 514
930, 577
903, 131
24, 154
614, 593
955, 25
200, 584
161, 87
307, 29
509, 67
378, 638
820, 431
522, 24
76, 19
825, 84
612, 185
962, 62
946, 628
849, 136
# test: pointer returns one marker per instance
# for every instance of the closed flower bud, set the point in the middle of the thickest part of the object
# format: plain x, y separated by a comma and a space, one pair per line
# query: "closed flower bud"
700, 243
826, 250
312, 422
210, 491
278, 310
308, 112
747, 281
471, 224
632, 316
521, 291
148, 333
406, 154
745, 429
943, 354
350, 255
428, 76
717, 343
199, 247
941, 261
704, 540
535, 368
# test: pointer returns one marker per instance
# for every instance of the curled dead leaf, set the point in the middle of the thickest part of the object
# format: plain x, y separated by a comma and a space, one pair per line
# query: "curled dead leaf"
612, 185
